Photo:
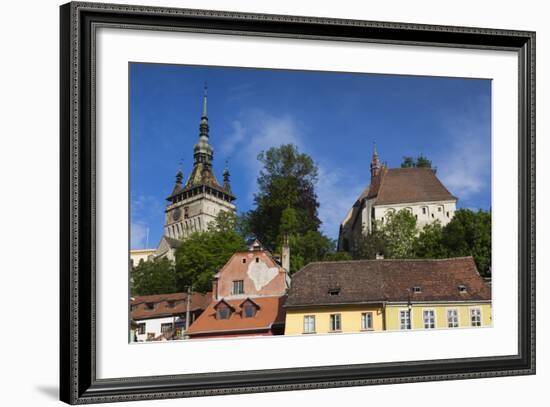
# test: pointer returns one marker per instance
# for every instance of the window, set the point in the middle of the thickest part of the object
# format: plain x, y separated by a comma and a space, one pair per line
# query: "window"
405, 319
335, 322
141, 328
249, 310
166, 328
447, 214
366, 320
309, 324
475, 316
171, 304
417, 290
424, 210
461, 288
244, 261
238, 287
150, 306
452, 318
439, 209
186, 212
433, 216
223, 312
334, 291
257, 259
429, 319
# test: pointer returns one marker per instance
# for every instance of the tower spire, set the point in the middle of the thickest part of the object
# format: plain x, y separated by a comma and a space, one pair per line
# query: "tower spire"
226, 182
375, 163
204, 115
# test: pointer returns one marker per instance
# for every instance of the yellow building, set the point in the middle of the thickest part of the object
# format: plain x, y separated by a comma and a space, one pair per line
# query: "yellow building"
375, 295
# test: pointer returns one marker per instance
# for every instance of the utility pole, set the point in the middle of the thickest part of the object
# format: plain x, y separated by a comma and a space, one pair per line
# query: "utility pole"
188, 311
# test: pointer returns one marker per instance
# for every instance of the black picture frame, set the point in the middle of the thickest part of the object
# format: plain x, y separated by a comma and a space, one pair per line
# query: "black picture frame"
78, 382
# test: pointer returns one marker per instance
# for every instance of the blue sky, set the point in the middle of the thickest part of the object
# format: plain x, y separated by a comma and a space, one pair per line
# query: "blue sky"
334, 117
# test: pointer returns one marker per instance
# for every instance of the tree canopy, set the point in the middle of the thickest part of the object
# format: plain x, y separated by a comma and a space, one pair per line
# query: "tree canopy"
202, 255
286, 180
419, 162
153, 277
467, 234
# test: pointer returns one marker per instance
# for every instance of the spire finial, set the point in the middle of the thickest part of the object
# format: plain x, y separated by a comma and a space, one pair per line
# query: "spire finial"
226, 182
374, 153
205, 97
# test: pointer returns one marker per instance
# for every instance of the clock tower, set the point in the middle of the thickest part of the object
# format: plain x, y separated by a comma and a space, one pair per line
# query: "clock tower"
193, 205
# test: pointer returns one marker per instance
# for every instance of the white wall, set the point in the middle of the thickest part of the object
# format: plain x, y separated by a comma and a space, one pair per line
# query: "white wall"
29, 157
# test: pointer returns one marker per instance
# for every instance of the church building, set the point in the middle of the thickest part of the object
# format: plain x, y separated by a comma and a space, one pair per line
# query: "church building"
417, 190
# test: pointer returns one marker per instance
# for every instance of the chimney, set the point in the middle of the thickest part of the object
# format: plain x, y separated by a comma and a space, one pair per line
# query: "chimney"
214, 289
285, 255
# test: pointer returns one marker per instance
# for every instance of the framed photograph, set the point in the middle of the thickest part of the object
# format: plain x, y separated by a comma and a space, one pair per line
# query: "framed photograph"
254, 203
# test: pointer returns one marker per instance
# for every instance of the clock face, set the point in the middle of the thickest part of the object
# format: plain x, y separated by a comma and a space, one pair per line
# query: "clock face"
176, 214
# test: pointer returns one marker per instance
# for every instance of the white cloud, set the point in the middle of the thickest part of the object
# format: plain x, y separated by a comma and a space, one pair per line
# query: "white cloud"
337, 193
260, 131
145, 210
465, 168
138, 235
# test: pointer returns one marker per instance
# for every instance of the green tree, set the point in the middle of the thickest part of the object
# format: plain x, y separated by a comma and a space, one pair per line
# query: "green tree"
154, 277
399, 233
367, 247
394, 238
420, 162
429, 243
202, 255
469, 234
308, 247
286, 180
337, 256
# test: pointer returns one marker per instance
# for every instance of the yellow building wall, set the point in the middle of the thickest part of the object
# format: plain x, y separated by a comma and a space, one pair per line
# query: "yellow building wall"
350, 319
393, 322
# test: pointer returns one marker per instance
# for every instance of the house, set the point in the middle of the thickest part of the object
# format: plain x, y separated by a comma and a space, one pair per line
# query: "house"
375, 295
417, 190
248, 295
163, 316
138, 255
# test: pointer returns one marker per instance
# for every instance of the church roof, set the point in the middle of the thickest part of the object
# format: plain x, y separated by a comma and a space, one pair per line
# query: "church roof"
368, 281
409, 185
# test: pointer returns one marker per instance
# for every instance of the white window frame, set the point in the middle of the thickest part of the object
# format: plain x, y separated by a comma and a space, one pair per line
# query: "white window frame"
364, 319
409, 312
337, 318
434, 316
449, 321
241, 285
309, 328
480, 314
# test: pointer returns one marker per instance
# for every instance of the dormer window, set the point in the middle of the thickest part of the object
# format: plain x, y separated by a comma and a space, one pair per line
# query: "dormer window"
334, 291
462, 288
249, 310
149, 306
223, 311
417, 290
171, 304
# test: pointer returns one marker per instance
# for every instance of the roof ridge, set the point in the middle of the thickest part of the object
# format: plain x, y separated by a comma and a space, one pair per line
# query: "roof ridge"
383, 260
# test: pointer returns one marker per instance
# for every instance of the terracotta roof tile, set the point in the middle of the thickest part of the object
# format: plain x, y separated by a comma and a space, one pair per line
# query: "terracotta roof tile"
387, 280
166, 304
270, 312
409, 185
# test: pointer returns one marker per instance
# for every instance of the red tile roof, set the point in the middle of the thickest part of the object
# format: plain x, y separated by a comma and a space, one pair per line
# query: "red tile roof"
408, 185
166, 304
364, 281
270, 313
